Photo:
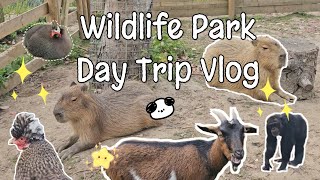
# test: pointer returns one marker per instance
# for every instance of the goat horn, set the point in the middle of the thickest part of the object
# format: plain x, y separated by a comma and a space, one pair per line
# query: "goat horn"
219, 114
234, 113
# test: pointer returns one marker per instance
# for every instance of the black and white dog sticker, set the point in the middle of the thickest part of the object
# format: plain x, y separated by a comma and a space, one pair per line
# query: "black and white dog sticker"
161, 108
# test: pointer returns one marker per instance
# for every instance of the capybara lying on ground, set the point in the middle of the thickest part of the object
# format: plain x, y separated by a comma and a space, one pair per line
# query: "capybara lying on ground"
268, 52
97, 117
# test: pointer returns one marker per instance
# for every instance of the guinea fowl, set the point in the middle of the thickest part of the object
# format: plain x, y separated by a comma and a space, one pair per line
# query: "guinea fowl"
38, 159
48, 41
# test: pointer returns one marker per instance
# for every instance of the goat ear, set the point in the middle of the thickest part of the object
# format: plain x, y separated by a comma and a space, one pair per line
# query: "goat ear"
73, 84
250, 130
209, 129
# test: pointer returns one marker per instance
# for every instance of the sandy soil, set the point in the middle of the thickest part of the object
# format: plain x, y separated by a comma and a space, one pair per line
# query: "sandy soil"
193, 102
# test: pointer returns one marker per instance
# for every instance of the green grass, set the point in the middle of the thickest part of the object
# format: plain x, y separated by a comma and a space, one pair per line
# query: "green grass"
160, 50
294, 15
10, 68
19, 7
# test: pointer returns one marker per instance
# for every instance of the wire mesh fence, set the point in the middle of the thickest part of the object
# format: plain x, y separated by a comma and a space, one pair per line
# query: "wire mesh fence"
122, 50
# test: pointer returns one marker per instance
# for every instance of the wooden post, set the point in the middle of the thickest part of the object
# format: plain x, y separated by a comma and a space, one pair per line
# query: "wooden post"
89, 8
64, 12
231, 9
80, 12
54, 10
85, 11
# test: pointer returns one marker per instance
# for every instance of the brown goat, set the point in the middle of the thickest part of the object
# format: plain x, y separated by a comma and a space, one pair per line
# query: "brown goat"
97, 117
195, 158
48, 41
267, 51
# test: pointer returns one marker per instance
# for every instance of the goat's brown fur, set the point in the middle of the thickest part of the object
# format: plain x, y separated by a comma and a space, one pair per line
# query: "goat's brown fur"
97, 117
245, 51
158, 161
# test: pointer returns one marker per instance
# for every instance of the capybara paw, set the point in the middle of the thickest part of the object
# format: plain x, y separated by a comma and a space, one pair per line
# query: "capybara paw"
291, 98
61, 148
288, 97
266, 167
276, 98
66, 154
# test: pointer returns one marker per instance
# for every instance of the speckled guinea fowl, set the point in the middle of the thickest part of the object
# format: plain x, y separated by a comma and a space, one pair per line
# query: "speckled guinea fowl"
38, 159
48, 41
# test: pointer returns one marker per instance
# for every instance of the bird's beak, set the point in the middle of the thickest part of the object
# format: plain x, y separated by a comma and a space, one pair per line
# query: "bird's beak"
10, 142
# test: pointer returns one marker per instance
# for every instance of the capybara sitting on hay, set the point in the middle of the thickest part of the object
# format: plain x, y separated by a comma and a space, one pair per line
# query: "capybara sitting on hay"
97, 117
267, 51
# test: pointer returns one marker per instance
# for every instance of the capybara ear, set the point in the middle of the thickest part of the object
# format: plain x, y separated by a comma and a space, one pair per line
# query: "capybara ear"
73, 84
84, 88
151, 107
169, 101
254, 42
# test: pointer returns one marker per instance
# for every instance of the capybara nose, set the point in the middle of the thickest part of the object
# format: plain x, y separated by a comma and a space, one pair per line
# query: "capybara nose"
239, 154
58, 114
283, 56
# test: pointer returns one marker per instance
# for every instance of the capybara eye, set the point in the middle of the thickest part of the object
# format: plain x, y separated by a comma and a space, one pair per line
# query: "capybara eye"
74, 98
265, 48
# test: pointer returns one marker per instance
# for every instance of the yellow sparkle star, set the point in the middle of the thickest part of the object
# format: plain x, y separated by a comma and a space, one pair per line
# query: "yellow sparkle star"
96, 146
87, 162
102, 158
23, 71
43, 93
267, 89
260, 111
286, 109
14, 95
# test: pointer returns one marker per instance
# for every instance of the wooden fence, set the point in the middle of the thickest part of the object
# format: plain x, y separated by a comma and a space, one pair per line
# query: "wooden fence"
51, 10
187, 8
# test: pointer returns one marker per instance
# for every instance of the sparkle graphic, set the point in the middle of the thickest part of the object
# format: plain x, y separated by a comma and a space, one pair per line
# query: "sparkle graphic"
23, 71
102, 158
260, 112
43, 93
286, 109
267, 89
14, 95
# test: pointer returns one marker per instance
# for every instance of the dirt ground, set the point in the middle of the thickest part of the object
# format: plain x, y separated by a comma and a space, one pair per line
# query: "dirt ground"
193, 102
